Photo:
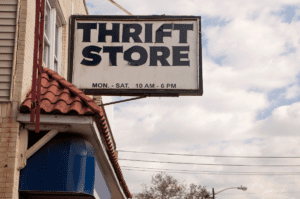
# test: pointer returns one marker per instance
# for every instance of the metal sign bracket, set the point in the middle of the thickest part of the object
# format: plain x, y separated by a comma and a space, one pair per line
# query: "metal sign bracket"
116, 102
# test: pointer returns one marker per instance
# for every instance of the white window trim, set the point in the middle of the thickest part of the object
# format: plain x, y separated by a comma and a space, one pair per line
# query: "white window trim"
46, 38
52, 38
59, 50
56, 19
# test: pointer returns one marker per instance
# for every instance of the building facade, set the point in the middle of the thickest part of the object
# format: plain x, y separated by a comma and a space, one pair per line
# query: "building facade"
17, 34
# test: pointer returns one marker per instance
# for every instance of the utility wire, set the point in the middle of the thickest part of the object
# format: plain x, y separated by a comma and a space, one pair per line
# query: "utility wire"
194, 171
256, 193
206, 173
235, 165
213, 156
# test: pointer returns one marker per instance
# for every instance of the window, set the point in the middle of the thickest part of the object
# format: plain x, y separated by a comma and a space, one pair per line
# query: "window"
53, 35
47, 34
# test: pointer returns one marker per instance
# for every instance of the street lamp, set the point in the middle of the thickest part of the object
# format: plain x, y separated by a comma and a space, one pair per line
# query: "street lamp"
241, 188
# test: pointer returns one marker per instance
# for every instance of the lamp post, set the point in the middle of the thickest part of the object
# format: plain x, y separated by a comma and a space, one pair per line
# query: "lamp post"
241, 188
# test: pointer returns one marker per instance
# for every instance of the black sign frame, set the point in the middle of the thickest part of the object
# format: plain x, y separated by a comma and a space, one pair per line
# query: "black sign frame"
136, 92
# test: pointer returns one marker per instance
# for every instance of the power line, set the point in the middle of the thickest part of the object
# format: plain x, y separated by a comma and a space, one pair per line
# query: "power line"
206, 173
256, 193
213, 156
235, 165
239, 173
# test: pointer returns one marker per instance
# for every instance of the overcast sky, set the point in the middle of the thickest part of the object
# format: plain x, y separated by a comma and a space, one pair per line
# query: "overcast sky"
250, 105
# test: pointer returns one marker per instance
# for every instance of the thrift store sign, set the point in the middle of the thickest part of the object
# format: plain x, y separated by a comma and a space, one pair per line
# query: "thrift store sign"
136, 55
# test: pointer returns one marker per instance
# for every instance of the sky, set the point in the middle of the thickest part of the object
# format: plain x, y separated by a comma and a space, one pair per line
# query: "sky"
250, 105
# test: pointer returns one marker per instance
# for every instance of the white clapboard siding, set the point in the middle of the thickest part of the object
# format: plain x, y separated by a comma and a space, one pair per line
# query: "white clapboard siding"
7, 42
5, 64
7, 22
4, 92
7, 35
7, 29
5, 86
6, 49
5, 57
8, 2
5, 78
8, 15
8, 7
5, 71
8, 12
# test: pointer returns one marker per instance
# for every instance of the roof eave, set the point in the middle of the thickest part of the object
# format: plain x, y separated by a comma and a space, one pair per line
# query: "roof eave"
87, 127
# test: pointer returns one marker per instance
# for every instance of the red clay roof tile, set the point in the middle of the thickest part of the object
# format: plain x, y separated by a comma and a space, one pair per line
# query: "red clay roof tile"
57, 77
45, 75
50, 72
65, 83
75, 90
56, 97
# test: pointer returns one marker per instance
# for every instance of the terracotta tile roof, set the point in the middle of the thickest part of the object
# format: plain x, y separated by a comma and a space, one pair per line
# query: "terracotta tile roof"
59, 96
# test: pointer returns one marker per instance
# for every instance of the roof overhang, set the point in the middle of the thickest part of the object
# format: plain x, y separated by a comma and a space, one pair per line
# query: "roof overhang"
86, 127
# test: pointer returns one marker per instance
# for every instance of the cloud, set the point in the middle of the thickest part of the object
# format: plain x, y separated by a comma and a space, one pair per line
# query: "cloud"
284, 121
90, 5
253, 52
292, 92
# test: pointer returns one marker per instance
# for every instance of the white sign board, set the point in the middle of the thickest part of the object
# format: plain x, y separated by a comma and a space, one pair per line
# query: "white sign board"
136, 55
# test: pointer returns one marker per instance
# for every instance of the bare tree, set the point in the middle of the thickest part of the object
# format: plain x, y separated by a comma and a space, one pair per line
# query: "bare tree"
164, 186
196, 192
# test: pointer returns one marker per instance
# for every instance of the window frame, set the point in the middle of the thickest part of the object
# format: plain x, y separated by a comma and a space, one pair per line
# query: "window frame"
52, 57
